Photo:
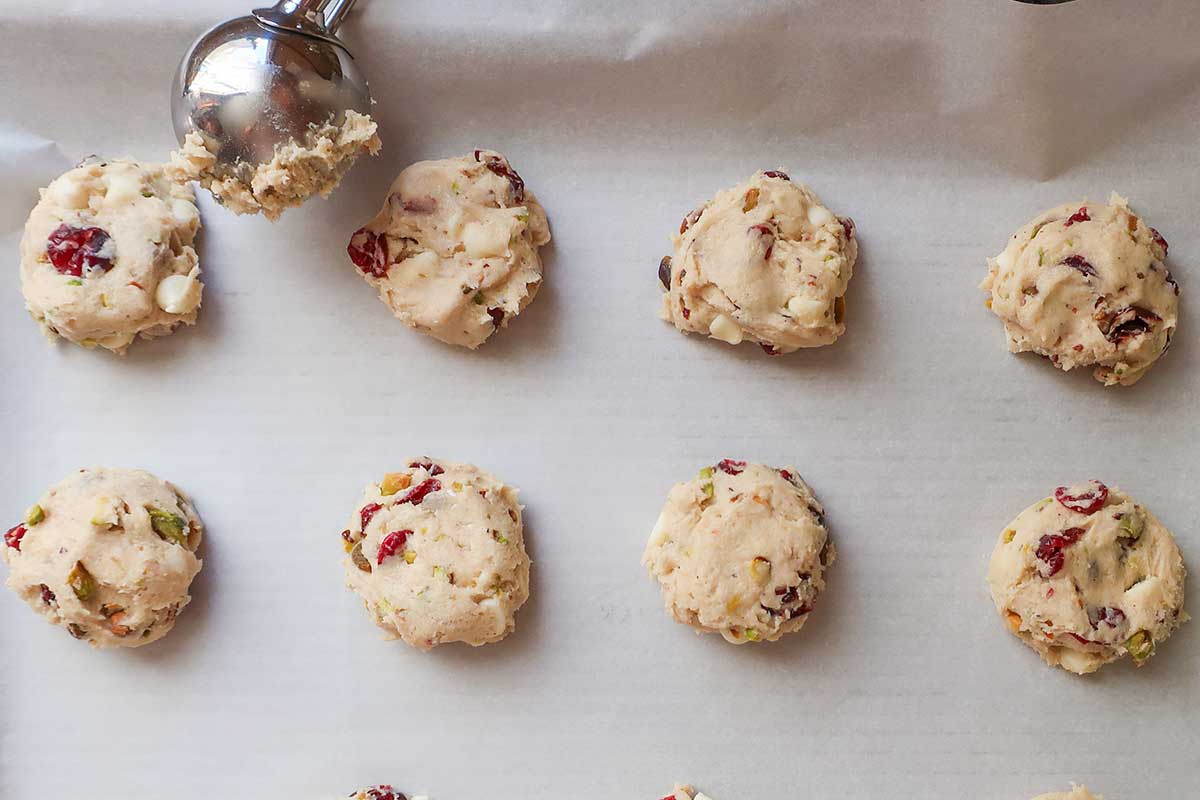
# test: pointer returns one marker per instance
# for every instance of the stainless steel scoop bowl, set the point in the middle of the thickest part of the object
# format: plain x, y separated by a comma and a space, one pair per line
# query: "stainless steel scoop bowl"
259, 81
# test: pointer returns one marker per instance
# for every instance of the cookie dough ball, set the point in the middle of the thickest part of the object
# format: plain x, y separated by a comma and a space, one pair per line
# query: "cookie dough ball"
1085, 285
437, 553
454, 251
1086, 576
298, 171
108, 554
741, 550
686, 793
384, 792
107, 255
1076, 793
762, 262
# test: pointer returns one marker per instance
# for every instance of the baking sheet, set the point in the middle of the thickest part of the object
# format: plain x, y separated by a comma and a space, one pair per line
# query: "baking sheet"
940, 126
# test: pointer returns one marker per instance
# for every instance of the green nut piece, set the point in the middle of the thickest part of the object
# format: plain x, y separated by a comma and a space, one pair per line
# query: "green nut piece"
1132, 524
169, 527
360, 561
708, 491
706, 473
34, 515
1140, 646
81, 582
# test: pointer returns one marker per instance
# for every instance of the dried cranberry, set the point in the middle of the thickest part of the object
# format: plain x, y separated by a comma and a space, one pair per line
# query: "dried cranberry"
48, 596
428, 466
1170, 279
847, 226
769, 349
691, 219
369, 252
1080, 263
497, 315
418, 493
420, 205
381, 792
1079, 638
664, 272
1160, 240
787, 476
391, 543
768, 238
1131, 321
1050, 550
500, 166
731, 467
774, 173
367, 512
347, 536
14, 535
1088, 502
1079, 216
74, 251
1109, 616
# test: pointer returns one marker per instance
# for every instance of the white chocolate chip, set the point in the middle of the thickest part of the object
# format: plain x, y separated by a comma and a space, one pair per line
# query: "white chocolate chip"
123, 189
1076, 661
425, 262
725, 329
69, 193
805, 307
484, 240
819, 215
658, 536
185, 213
178, 294
701, 796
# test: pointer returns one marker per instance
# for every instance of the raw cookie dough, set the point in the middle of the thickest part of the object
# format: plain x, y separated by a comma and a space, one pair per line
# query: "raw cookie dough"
1084, 284
1076, 793
1086, 576
298, 171
107, 255
437, 553
763, 262
741, 550
384, 792
108, 554
683, 792
454, 251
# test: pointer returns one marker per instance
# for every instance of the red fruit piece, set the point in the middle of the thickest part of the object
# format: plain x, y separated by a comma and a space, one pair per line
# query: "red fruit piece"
497, 315
1088, 502
75, 251
420, 205
1109, 616
14, 535
1080, 263
774, 173
1079, 216
768, 238
691, 219
367, 512
1080, 639
381, 792
428, 466
391, 543
769, 349
369, 252
1131, 321
418, 493
1050, 550
1160, 240
500, 166
731, 467
847, 226
47, 596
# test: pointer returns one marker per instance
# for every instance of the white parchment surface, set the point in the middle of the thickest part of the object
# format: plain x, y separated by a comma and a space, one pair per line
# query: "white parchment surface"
939, 126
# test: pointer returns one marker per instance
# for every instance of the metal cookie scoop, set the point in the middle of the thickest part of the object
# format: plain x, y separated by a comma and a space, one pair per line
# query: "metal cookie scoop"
259, 81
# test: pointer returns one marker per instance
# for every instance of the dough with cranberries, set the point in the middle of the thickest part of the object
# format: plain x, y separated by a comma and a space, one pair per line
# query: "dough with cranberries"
684, 792
108, 255
108, 554
437, 553
454, 251
741, 550
1085, 284
1076, 793
1087, 575
384, 792
762, 262
299, 169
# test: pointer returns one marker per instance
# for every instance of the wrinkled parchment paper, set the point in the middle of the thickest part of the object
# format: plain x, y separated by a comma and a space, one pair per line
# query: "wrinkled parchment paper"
940, 126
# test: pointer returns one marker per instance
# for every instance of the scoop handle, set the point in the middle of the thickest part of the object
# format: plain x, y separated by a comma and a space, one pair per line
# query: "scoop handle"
309, 16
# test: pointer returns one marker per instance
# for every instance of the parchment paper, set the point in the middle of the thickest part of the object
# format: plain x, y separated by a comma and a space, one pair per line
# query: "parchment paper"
940, 126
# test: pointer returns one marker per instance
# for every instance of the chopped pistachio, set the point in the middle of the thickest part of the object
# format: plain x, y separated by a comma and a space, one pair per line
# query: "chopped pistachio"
479, 298
1132, 524
34, 515
1036, 230
360, 561
74, 282
1041, 256
760, 569
169, 527
1008, 535
1140, 646
147, 193
707, 472
523, 217
708, 491
499, 537
752, 634
81, 582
